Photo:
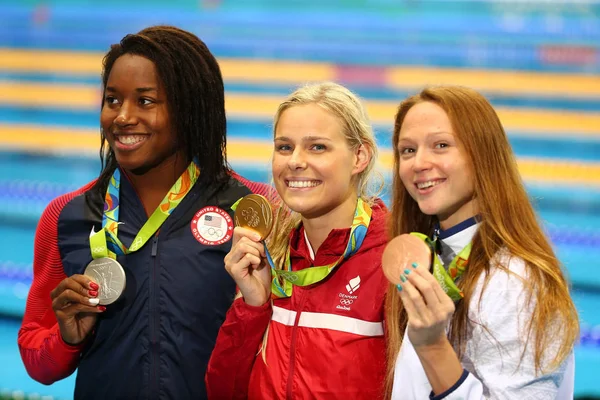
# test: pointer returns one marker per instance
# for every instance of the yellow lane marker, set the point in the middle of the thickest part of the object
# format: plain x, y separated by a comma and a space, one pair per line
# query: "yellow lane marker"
296, 73
262, 107
500, 82
59, 140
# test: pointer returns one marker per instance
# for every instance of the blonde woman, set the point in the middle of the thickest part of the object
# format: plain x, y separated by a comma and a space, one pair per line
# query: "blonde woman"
315, 331
504, 325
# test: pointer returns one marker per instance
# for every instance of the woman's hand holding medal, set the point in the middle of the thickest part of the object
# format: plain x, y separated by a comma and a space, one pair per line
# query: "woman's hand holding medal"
75, 304
246, 262
406, 261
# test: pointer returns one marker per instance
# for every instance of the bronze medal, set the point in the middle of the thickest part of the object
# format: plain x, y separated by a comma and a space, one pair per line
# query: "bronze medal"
400, 253
110, 276
254, 212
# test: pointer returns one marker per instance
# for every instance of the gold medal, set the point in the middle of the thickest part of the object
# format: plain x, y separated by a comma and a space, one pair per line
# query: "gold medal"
254, 212
400, 253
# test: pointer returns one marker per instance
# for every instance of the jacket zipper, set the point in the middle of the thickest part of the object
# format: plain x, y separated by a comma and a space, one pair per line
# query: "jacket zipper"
290, 379
153, 319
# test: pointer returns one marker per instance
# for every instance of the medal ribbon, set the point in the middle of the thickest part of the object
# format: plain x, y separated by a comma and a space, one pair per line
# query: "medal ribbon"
105, 242
284, 279
446, 278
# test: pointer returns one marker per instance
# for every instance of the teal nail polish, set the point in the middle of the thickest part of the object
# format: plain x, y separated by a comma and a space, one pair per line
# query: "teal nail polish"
399, 287
415, 265
406, 272
402, 278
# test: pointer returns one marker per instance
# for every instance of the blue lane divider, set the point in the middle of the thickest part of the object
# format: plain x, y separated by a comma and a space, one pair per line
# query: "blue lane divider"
481, 55
561, 235
455, 54
19, 190
16, 272
440, 38
589, 336
342, 22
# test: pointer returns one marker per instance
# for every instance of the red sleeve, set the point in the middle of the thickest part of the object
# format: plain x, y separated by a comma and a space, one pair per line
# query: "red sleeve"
46, 356
240, 337
263, 189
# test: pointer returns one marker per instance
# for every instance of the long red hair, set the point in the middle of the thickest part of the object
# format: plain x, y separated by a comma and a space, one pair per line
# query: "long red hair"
508, 222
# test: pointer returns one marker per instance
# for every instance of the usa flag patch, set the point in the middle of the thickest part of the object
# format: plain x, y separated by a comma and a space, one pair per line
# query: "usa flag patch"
212, 226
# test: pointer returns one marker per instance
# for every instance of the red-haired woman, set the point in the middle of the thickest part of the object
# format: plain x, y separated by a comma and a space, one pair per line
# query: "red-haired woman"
493, 318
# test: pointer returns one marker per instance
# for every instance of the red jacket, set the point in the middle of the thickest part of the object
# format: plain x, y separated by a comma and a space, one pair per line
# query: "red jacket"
325, 342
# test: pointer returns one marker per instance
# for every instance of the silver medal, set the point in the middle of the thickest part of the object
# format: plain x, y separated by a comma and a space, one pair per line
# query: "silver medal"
110, 276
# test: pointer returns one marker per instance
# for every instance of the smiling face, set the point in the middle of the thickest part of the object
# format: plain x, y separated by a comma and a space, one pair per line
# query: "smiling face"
433, 166
135, 116
314, 170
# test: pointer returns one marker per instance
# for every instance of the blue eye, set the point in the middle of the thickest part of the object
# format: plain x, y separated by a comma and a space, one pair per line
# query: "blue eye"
283, 147
318, 147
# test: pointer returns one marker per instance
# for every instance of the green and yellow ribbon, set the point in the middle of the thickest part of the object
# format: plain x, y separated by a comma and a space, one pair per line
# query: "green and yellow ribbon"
285, 279
105, 243
447, 277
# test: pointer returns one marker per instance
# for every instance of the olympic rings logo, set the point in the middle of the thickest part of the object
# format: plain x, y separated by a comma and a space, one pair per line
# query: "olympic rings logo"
212, 226
346, 302
288, 277
139, 241
251, 217
215, 233
98, 249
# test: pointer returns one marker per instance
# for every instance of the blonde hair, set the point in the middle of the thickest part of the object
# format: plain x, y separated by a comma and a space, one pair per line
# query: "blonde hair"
508, 221
356, 128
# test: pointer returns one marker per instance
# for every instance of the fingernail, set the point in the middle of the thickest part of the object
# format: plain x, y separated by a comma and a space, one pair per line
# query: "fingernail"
94, 286
415, 265
94, 301
101, 308
402, 278
406, 271
93, 293
399, 287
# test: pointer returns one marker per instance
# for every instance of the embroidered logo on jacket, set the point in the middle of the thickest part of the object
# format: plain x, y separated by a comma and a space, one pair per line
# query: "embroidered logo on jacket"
212, 226
353, 285
346, 300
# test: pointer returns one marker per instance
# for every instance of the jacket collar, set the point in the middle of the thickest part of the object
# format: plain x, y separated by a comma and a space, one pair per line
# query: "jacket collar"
334, 245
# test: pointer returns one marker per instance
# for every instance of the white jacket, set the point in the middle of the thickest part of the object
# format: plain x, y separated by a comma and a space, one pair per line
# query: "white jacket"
491, 364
